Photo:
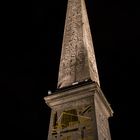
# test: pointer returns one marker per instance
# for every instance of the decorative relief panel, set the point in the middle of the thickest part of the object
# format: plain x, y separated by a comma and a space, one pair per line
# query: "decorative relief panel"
74, 123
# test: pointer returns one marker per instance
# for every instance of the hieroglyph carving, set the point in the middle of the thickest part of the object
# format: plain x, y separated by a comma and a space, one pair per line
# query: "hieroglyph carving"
74, 63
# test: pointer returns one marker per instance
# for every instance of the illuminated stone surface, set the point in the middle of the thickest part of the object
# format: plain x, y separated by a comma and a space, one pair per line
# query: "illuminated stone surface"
77, 58
79, 112
79, 109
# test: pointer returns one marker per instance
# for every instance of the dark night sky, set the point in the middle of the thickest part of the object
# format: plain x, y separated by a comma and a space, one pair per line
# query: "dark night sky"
31, 60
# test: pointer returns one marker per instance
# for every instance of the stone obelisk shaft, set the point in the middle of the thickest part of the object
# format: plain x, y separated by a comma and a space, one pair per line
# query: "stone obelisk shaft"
77, 61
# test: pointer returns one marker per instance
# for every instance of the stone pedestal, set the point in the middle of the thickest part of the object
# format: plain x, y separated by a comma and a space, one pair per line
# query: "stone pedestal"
79, 112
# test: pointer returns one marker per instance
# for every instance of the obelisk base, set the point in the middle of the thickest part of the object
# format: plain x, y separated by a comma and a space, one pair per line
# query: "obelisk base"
79, 112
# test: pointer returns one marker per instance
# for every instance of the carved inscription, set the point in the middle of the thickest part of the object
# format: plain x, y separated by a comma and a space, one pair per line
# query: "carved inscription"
77, 58
73, 55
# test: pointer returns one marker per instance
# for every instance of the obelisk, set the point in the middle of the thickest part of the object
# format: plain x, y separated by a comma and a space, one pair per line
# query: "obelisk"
80, 110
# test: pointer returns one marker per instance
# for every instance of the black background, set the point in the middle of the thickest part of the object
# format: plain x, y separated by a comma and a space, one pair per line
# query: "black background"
31, 46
